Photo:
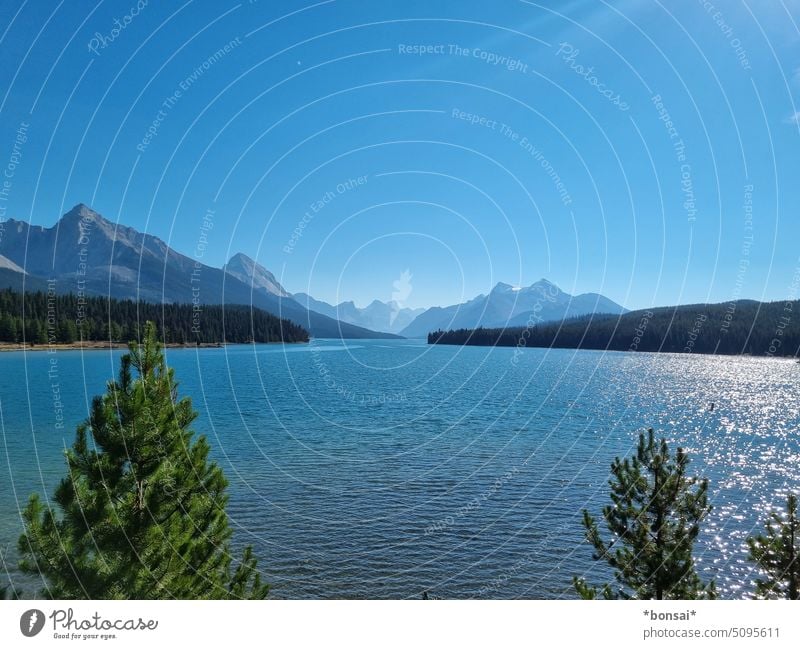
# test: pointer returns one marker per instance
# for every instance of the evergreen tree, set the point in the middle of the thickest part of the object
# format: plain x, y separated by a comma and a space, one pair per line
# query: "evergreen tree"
67, 331
654, 520
34, 332
103, 319
8, 331
777, 552
42, 335
142, 510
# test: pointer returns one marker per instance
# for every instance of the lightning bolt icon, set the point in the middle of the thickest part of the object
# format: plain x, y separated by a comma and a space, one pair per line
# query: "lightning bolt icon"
32, 620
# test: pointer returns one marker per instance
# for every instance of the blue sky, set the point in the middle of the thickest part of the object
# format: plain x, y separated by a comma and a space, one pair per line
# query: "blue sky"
503, 141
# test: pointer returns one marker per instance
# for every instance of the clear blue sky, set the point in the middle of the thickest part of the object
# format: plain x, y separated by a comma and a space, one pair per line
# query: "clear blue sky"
308, 95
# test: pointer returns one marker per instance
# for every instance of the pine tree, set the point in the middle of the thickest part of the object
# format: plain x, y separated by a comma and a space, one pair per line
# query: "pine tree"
654, 520
142, 510
33, 331
8, 329
778, 555
67, 332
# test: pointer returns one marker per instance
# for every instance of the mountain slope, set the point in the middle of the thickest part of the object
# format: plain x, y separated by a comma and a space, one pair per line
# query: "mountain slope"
264, 286
7, 264
20, 281
506, 305
86, 252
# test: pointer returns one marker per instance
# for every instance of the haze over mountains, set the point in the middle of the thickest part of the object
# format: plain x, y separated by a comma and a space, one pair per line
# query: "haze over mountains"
86, 253
380, 316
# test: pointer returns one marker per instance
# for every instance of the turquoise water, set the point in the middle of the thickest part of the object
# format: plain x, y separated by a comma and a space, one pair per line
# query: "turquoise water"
385, 468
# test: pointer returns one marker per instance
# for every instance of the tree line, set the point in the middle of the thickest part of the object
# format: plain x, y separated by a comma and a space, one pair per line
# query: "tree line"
741, 327
43, 318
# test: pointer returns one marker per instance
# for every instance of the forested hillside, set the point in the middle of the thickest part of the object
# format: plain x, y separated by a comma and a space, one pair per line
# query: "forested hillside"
742, 327
42, 317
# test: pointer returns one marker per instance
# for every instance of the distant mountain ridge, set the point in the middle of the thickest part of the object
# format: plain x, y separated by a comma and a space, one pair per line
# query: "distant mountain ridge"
85, 252
379, 316
508, 306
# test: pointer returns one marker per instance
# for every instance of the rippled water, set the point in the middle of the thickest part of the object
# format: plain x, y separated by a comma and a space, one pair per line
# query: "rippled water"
382, 469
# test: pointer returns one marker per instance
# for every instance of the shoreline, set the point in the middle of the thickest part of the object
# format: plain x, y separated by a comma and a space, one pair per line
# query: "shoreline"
98, 345
607, 350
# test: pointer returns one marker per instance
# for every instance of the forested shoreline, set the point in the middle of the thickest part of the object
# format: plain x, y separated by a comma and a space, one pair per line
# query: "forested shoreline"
732, 328
44, 318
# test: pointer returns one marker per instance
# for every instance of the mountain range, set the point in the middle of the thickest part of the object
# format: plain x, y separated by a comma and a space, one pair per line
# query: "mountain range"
86, 253
509, 306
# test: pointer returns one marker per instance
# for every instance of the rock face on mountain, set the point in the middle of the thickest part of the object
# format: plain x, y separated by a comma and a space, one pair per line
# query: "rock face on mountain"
379, 316
252, 273
507, 305
86, 252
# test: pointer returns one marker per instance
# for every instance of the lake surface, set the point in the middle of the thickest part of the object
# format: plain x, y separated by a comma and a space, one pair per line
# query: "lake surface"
380, 469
